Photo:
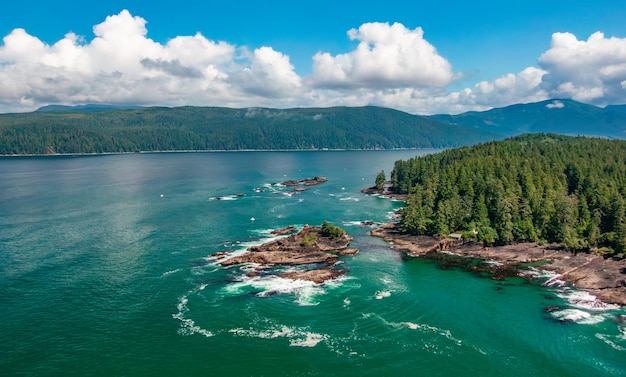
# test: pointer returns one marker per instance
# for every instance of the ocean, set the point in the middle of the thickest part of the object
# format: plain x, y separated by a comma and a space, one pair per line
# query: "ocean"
106, 269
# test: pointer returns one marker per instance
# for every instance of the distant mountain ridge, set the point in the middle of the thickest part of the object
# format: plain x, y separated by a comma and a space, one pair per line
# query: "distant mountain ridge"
81, 130
562, 116
84, 108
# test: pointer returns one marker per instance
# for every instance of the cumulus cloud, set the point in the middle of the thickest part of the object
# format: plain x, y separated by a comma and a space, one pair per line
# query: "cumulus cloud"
122, 65
269, 75
391, 65
387, 56
590, 71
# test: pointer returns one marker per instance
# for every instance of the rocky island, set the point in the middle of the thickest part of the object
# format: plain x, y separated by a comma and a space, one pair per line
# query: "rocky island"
316, 249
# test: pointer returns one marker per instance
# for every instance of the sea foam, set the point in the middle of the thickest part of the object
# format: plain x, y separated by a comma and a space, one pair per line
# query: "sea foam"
298, 337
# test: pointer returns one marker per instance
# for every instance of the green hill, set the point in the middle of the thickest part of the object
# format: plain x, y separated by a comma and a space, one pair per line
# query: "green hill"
215, 128
569, 190
565, 117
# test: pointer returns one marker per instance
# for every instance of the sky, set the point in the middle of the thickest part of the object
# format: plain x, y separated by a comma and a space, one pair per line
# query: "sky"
416, 56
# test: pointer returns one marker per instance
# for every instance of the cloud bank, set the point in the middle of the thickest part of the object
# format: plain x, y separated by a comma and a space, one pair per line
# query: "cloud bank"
391, 66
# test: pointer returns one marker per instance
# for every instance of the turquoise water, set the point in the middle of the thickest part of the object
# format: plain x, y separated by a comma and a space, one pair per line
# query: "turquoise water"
106, 269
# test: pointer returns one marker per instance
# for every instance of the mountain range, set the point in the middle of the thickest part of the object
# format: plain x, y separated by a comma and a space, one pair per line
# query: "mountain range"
77, 130
562, 116
98, 128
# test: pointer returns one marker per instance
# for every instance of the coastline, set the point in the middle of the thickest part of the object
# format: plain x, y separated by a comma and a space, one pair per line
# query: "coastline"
604, 278
78, 154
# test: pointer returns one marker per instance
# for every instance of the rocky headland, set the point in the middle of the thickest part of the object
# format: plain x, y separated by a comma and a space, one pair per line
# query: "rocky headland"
311, 248
604, 278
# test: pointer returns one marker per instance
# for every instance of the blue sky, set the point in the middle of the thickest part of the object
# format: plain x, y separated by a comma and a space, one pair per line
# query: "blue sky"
417, 56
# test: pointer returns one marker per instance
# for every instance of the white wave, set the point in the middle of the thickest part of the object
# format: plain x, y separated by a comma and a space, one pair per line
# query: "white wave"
350, 199
306, 292
346, 302
242, 247
585, 300
298, 337
382, 294
308, 296
226, 197
310, 340
385, 280
361, 223
598, 318
168, 273
606, 339
201, 270
188, 325
553, 280
415, 326
570, 315
411, 325
537, 274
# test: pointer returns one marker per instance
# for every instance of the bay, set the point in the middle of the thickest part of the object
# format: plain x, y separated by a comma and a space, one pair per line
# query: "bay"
106, 269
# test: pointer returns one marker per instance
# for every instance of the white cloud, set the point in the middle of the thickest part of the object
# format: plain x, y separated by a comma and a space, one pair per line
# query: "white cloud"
391, 66
270, 75
122, 65
589, 71
555, 105
387, 56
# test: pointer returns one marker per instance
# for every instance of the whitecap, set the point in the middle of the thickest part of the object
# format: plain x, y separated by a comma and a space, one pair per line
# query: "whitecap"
606, 339
350, 198
221, 198
585, 300
382, 294
168, 273
306, 292
188, 325
310, 340
297, 337
570, 315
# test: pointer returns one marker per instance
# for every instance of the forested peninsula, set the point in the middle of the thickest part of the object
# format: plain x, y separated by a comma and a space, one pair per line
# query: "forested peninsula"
543, 188
84, 131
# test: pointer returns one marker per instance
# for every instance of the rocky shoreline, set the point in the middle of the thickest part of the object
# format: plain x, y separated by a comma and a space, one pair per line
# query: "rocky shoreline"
604, 278
316, 253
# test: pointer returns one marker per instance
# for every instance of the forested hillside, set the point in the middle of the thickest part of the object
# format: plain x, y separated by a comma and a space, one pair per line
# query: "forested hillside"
212, 128
536, 187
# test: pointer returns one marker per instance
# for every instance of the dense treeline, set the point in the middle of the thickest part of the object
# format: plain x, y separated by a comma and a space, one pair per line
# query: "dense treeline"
536, 187
213, 128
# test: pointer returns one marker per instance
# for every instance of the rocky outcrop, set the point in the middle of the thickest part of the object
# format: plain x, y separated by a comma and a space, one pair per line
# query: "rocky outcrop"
412, 245
318, 276
308, 248
306, 181
283, 231
604, 278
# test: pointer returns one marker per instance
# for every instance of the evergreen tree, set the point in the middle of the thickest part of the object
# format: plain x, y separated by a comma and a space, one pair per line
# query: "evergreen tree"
570, 190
